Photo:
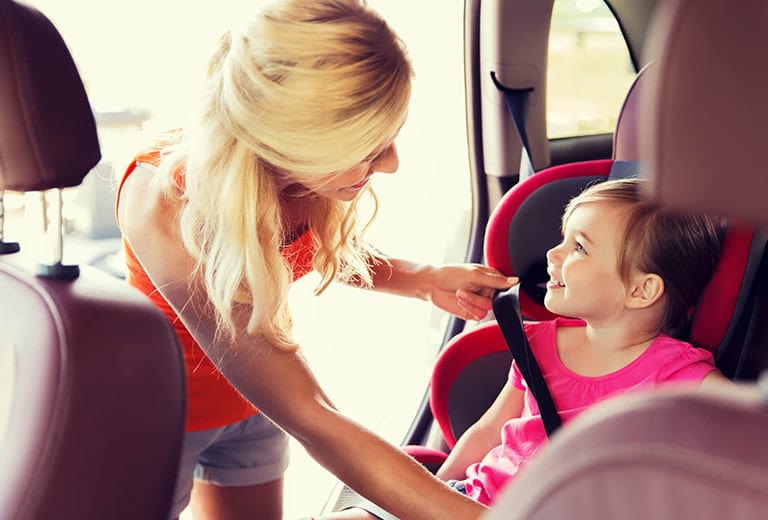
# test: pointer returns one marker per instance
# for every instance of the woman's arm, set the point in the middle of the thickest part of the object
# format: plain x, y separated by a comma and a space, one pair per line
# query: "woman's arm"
464, 290
484, 435
280, 383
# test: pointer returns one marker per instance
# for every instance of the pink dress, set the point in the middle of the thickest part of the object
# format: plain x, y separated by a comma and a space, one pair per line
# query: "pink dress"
666, 361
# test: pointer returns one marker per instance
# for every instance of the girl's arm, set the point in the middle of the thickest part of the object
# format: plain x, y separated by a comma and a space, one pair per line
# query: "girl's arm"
464, 290
714, 380
484, 435
280, 383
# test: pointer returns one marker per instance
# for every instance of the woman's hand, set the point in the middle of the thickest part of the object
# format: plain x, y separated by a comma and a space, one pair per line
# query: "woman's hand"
465, 290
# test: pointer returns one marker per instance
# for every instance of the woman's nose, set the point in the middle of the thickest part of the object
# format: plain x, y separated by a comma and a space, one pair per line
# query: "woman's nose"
387, 162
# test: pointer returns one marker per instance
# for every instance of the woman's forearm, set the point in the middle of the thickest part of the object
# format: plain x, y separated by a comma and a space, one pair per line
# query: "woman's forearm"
386, 475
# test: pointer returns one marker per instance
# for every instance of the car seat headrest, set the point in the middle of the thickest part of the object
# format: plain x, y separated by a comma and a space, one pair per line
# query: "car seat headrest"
526, 223
48, 134
703, 115
515, 246
625, 138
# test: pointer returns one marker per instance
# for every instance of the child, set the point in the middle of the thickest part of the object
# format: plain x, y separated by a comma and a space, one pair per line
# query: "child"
626, 273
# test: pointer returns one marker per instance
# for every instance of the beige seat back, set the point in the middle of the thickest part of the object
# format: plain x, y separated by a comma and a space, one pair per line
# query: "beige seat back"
92, 406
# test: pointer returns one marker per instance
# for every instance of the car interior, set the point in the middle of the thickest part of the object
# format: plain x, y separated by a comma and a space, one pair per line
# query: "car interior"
682, 454
84, 346
523, 223
95, 366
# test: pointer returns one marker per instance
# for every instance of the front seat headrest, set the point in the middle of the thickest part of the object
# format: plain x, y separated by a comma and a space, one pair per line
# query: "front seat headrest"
703, 117
46, 88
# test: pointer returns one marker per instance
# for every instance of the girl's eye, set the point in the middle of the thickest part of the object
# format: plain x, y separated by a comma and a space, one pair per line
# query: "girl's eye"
580, 248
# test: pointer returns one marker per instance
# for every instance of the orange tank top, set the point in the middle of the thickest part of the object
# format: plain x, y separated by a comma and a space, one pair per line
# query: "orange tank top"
212, 401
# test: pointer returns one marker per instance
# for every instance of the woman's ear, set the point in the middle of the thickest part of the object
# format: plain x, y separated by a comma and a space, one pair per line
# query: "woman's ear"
645, 290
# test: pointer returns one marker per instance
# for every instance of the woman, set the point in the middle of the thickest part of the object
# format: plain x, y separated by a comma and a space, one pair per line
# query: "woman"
300, 108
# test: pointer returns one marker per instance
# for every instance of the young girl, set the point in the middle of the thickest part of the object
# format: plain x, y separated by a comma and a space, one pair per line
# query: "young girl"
626, 273
300, 108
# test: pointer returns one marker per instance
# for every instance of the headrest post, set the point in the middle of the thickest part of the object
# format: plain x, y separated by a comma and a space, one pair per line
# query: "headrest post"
5, 247
55, 230
54, 225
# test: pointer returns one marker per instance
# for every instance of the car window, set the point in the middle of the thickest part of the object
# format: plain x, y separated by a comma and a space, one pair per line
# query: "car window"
589, 70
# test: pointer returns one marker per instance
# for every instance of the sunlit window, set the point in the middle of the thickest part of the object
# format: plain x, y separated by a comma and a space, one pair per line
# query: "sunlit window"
589, 71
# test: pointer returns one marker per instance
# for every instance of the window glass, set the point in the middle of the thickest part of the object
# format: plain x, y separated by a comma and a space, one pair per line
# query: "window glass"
589, 71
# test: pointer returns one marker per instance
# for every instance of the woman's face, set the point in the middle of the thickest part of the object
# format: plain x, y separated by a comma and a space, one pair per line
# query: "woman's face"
345, 185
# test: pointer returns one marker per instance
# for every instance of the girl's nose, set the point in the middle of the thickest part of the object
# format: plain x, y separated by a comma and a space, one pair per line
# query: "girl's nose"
553, 255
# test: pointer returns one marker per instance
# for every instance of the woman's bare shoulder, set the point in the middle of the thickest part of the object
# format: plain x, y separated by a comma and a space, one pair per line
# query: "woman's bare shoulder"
148, 219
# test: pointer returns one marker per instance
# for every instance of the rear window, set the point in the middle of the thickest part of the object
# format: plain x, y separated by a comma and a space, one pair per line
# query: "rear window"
590, 70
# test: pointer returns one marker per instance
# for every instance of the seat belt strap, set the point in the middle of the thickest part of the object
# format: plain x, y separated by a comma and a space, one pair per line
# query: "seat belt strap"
517, 101
506, 307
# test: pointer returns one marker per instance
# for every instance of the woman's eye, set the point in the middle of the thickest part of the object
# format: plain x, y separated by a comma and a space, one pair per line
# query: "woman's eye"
369, 160
378, 157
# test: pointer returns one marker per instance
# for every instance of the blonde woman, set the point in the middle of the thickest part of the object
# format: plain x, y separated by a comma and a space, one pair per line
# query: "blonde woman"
300, 109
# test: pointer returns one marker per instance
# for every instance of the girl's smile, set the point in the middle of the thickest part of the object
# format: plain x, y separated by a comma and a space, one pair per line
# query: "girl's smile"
553, 284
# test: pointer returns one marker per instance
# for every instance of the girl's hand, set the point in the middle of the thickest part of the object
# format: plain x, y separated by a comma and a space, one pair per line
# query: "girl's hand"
465, 290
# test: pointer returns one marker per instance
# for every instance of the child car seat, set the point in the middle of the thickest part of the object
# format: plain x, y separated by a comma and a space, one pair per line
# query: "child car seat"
474, 365
92, 382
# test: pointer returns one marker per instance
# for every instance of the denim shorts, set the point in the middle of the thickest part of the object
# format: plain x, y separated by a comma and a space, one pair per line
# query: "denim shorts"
250, 452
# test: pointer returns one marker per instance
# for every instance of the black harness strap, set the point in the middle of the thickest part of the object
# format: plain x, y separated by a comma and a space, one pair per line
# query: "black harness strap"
506, 307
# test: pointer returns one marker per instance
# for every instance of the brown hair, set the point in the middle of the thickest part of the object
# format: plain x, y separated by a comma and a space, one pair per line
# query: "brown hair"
682, 248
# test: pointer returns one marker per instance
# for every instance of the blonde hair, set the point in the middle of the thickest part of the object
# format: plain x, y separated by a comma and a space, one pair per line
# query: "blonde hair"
682, 248
304, 90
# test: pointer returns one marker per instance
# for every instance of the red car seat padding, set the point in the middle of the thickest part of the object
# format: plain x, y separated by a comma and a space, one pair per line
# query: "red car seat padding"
526, 223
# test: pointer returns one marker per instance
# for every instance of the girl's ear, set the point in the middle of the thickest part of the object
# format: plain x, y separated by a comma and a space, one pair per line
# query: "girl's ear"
645, 290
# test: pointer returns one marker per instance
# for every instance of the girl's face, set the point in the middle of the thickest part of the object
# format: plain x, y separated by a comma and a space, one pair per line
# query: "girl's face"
346, 185
584, 276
